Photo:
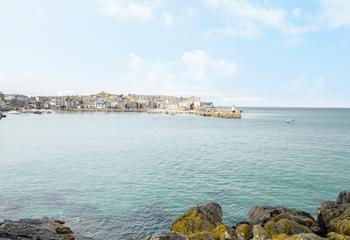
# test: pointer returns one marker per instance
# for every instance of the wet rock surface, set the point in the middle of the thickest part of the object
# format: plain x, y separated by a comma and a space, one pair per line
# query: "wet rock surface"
268, 222
35, 229
334, 216
203, 222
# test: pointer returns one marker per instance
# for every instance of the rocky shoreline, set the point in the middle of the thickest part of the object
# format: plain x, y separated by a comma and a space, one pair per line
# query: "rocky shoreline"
205, 223
264, 222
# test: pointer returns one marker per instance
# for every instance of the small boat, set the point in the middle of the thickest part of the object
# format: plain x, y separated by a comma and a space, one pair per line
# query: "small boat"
13, 112
38, 112
3, 115
290, 121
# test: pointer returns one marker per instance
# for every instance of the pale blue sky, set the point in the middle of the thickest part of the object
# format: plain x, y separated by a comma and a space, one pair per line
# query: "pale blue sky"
243, 52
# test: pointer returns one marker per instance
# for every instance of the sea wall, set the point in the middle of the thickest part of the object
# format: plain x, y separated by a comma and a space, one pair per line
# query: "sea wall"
220, 113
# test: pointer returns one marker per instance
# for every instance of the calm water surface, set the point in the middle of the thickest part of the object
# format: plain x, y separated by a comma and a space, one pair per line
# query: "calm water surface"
121, 176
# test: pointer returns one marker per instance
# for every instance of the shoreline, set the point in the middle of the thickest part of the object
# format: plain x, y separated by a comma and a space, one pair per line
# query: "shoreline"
204, 222
217, 112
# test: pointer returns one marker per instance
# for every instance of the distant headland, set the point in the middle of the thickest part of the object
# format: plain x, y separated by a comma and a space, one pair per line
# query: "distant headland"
107, 102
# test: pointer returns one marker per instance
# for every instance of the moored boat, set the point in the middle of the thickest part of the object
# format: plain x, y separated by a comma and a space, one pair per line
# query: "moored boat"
13, 112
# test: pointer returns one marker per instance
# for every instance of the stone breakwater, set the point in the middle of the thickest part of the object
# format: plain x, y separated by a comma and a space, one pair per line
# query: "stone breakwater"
264, 222
205, 223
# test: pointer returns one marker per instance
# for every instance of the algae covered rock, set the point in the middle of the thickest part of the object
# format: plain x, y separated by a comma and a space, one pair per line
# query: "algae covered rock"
259, 214
167, 236
286, 227
203, 222
259, 233
336, 236
281, 222
334, 216
203, 236
243, 231
305, 236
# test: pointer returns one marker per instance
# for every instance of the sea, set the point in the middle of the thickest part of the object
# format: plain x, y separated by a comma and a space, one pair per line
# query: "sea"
127, 175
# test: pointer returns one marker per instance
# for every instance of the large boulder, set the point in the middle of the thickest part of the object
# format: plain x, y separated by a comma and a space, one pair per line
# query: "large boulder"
36, 229
260, 214
243, 231
203, 222
259, 233
285, 227
305, 236
343, 197
334, 216
281, 222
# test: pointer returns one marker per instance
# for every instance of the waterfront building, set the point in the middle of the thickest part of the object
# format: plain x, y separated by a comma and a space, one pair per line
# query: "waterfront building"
105, 100
16, 100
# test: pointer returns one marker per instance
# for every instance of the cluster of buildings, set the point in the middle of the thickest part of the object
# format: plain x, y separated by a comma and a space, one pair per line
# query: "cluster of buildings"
102, 101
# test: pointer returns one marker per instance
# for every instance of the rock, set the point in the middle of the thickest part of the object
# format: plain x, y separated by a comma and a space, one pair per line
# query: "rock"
261, 214
343, 197
283, 221
203, 236
280, 222
243, 231
285, 227
336, 236
223, 232
280, 237
305, 236
259, 233
198, 219
203, 222
40, 229
167, 236
334, 216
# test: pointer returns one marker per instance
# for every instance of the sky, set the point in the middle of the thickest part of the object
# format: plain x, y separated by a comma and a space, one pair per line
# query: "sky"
233, 52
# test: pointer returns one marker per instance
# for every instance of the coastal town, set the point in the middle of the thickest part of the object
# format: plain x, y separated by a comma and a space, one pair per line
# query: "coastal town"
103, 101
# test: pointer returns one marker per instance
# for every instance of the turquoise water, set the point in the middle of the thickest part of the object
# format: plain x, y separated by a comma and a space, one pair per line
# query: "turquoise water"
120, 176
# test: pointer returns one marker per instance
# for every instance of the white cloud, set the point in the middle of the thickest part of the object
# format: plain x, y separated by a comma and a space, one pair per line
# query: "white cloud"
249, 17
247, 10
193, 72
202, 68
335, 13
243, 29
131, 8
255, 15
